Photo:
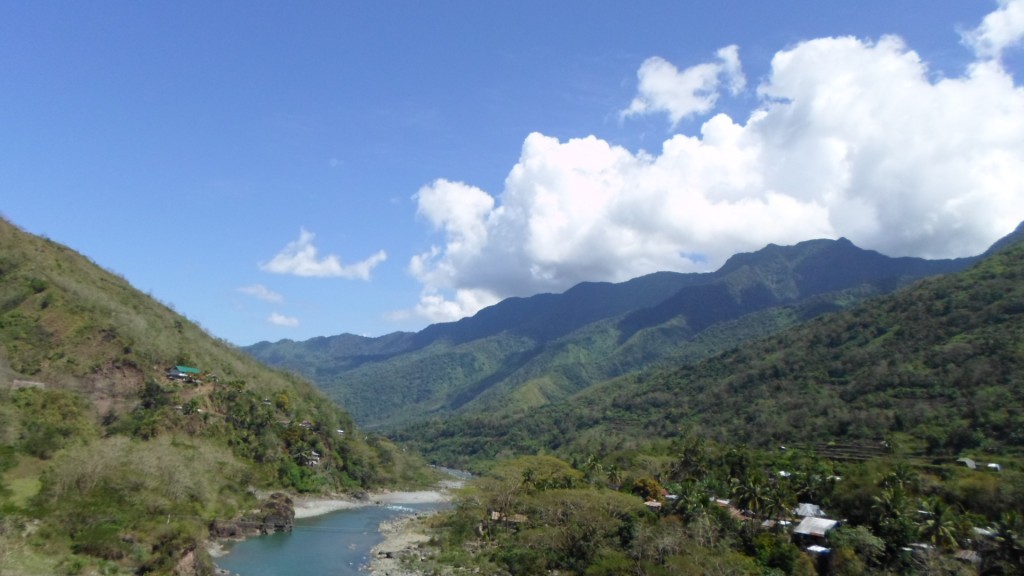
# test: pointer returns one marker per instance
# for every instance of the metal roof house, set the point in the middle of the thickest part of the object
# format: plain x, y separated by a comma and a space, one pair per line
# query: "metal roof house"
805, 509
968, 462
815, 527
181, 372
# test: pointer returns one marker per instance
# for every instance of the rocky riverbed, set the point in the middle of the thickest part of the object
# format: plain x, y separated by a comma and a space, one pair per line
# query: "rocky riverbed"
401, 549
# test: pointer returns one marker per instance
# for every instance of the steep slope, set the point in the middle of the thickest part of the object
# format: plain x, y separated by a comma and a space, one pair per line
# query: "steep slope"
936, 368
125, 466
527, 352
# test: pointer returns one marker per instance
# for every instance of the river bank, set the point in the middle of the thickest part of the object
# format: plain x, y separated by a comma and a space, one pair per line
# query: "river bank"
402, 539
309, 507
317, 531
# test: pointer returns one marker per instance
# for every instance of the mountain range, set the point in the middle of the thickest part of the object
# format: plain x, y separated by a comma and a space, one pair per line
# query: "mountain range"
523, 353
931, 371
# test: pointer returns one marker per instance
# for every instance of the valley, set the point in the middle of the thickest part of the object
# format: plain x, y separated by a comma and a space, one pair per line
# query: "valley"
673, 424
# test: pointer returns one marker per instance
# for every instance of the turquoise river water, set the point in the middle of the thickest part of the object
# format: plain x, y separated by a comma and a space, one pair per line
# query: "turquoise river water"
334, 544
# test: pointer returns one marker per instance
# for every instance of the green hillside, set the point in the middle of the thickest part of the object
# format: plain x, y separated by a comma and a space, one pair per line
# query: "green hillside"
109, 464
935, 368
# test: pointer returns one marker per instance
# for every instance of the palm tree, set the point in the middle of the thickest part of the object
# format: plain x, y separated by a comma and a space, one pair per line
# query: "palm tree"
778, 501
1009, 540
904, 476
592, 468
528, 480
939, 526
692, 462
615, 476
751, 493
693, 498
891, 517
738, 460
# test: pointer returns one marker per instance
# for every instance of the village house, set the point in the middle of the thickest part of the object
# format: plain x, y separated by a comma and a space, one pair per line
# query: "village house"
812, 532
806, 509
186, 373
814, 528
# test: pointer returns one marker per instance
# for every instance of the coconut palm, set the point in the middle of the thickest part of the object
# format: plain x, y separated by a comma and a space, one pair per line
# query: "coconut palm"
614, 475
1008, 536
693, 499
891, 510
904, 476
939, 526
592, 468
693, 462
751, 493
778, 500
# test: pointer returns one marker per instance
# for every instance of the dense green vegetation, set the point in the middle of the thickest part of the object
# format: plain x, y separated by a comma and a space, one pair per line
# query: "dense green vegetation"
107, 465
695, 507
935, 369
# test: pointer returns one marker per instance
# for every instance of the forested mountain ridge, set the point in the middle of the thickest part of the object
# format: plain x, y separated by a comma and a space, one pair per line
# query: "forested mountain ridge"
935, 368
527, 352
125, 429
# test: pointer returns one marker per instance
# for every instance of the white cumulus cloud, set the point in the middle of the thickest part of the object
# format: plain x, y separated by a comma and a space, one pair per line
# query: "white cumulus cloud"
282, 320
852, 137
998, 31
663, 88
299, 258
261, 292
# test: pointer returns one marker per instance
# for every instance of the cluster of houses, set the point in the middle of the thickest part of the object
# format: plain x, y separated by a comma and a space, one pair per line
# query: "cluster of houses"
812, 530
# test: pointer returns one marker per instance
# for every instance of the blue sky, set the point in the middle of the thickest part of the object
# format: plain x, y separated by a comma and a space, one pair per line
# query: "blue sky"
280, 170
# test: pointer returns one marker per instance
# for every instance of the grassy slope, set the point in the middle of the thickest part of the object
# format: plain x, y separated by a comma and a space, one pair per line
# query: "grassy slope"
121, 467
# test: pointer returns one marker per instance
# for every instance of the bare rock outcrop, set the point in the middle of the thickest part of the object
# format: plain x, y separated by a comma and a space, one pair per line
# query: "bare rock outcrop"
276, 514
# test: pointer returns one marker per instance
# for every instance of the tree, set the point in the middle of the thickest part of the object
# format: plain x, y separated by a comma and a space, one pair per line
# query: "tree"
892, 519
1008, 554
693, 462
693, 499
751, 493
575, 525
282, 402
904, 476
739, 462
855, 548
778, 501
939, 526
649, 489
592, 469
538, 472
615, 476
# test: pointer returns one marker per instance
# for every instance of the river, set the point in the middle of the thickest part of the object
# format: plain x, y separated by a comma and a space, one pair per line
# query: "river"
334, 544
